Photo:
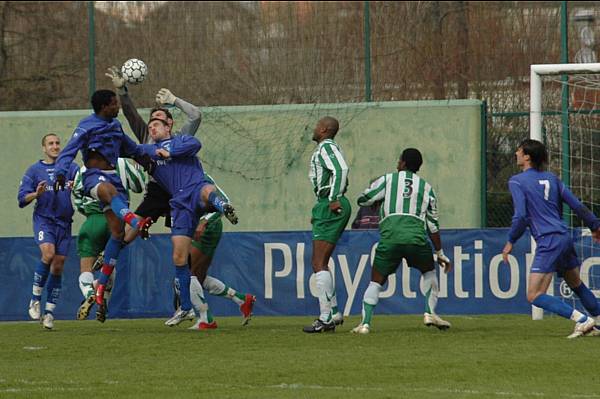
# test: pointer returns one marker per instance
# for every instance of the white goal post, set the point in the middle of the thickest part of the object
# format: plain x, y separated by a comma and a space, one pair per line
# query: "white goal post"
535, 113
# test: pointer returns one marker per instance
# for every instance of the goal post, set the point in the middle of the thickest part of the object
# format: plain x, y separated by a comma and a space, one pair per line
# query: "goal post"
575, 153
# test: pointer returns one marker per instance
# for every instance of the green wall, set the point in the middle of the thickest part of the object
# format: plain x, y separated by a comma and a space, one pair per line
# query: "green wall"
264, 139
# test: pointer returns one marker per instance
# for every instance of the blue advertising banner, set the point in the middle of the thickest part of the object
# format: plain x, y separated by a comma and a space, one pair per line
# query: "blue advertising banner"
276, 267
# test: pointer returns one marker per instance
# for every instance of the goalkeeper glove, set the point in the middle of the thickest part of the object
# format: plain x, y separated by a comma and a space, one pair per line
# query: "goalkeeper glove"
118, 80
443, 261
60, 183
164, 96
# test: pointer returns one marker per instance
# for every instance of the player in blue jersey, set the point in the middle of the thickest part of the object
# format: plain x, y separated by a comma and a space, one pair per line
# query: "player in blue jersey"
538, 198
52, 218
101, 140
179, 172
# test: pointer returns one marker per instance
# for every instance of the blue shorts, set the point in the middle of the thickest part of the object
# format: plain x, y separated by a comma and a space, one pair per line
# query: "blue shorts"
186, 210
92, 177
554, 253
47, 231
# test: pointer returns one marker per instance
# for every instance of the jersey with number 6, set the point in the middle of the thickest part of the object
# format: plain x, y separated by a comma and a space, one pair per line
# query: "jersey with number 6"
538, 198
409, 207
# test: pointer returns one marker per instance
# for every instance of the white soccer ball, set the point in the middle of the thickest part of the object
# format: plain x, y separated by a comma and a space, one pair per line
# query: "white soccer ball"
134, 71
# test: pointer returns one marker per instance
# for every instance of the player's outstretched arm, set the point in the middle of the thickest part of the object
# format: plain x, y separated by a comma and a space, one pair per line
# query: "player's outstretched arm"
375, 192
581, 210
136, 122
164, 96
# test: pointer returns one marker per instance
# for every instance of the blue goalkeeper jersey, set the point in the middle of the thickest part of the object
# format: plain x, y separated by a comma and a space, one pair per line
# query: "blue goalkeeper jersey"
183, 170
51, 205
95, 134
538, 198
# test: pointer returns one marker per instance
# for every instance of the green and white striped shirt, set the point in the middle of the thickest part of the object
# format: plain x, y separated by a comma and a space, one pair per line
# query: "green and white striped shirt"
328, 171
409, 207
132, 177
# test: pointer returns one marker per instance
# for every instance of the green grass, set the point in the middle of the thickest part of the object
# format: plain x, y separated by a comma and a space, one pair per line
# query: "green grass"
480, 357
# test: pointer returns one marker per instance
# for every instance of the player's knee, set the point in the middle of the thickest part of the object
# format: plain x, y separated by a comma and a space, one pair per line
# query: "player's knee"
179, 258
48, 255
532, 295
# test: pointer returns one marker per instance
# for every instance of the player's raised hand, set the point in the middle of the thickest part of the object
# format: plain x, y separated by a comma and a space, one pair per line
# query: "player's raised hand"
60, 183
443, 261
164, 96
41, 188
116, 77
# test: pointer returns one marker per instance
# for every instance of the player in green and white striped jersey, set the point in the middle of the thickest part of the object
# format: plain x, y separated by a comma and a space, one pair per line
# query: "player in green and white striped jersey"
94, 232
408, 215
330, 215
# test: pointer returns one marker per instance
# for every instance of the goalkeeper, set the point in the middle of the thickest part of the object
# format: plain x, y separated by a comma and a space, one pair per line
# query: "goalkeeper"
408, 214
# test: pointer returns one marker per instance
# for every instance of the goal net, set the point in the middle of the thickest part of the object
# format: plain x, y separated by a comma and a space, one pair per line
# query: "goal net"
565, 115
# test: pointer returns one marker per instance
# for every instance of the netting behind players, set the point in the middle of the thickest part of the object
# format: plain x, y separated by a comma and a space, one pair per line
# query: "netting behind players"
576, 159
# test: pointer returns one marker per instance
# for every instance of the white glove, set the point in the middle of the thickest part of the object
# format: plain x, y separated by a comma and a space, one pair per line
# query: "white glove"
117, 79
443, 261
164, 96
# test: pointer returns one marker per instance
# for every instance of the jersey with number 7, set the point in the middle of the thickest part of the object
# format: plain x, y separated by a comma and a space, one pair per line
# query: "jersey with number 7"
538, 198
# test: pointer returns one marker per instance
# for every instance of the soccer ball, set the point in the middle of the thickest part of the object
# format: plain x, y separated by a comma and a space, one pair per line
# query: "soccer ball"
134, 71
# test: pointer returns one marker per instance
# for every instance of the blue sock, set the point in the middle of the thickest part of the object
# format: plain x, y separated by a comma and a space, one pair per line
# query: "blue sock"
120, 208
40, 275
554, 305
182, 277
54, 288
587, 299
111, 253
217, 201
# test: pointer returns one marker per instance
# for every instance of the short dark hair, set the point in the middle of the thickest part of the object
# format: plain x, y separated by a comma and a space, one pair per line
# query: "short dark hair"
166, 111
102, 98
412, 159
537, 152
48, 135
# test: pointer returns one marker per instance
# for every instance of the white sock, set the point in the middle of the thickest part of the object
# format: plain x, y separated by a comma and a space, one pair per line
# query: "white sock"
198, 301
218, 288
430, 285
577, 316
370, 300
325, 292
86, 284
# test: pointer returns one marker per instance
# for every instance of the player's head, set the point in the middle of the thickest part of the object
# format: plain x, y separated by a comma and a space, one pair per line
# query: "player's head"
159, 129
531, 153
326, 128
411, 159
105, 103
51, 146
162, 113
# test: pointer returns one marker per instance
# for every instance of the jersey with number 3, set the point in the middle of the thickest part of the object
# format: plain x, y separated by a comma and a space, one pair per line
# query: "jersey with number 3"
409, 209
538, 198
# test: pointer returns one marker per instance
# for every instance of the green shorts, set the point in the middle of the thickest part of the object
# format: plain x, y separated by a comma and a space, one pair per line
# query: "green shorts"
210, 239
93, 236
388, 257
329, 226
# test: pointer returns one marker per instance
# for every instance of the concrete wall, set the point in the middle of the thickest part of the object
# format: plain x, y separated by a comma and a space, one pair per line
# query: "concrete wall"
241, 144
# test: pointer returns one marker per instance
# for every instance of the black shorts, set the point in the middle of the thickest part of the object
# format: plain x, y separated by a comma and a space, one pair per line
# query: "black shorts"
155, 203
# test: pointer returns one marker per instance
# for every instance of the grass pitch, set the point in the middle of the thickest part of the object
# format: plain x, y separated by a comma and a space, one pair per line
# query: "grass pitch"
480, 357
